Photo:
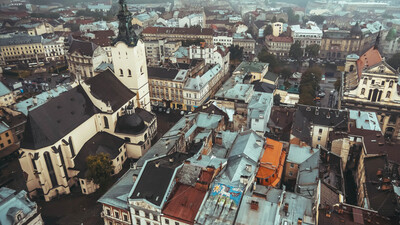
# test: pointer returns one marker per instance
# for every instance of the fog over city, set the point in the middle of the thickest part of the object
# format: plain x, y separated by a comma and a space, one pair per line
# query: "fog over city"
199, 112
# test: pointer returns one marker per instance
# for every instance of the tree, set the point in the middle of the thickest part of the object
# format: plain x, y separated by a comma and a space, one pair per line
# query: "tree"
318, 19
286, 73
292, 18
392, 35
266, 57
99, 168
312, 50
394, 61
309, 84
268, 30
281, 20
187, 43
277, 99
295, 51
338, 83
273, 19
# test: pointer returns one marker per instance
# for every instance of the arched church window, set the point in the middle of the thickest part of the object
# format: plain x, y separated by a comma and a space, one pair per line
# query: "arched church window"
129, 73
121, 72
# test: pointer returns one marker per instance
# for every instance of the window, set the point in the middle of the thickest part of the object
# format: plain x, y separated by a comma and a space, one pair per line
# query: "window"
363, 91
82, 181
148, 223
9, 141
116, 214
383, 82
7, 134
129, 73
1, 145
373, 82
84, 190
290, 173
125, 217
391, 84
147, 215
137, 221
121, 72
319, 138
166, 221
320, 131
108, 212
388, 94
176, 223
111, 223
105, 122
137, 212
291, 165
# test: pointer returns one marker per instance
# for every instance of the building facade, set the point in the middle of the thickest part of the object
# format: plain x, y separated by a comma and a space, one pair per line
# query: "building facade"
84, 57
309, 35
279, 46
178, 34
21, 48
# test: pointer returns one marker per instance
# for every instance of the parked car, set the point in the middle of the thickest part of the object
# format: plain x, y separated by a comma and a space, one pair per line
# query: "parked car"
321, 94
168, 111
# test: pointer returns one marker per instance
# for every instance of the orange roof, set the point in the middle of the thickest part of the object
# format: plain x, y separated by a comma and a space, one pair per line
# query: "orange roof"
279, 39
369, 58
271, 163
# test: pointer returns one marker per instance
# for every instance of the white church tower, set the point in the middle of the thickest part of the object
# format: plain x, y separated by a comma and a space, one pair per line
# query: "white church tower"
129, 58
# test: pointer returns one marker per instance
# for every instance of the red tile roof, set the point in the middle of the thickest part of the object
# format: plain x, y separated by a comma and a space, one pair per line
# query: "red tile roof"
176, 30
279, 39
184, 203
369, 58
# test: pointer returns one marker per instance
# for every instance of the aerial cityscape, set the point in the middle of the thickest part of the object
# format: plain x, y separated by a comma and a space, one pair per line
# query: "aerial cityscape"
200, 112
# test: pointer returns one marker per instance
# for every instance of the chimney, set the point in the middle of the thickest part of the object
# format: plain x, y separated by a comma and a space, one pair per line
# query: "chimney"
286, 209
299, 221
34, 100
254, 205
157, 165
171, 160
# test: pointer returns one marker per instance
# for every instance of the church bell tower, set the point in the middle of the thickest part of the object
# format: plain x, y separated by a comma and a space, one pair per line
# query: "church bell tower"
129, 58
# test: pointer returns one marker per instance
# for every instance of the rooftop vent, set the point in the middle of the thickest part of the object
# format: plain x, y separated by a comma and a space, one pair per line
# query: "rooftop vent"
157, 165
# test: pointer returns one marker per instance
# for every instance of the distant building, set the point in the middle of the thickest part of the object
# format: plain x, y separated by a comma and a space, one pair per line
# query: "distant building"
159, 51
54, 49
84, 57
6, 96
279, 46
17, 208
178, 34
21, 48
277, 28
99, 7
246, 42
306, 36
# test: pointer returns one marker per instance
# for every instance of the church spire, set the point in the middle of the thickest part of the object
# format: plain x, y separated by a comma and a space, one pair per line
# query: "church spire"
378, 39
125, 28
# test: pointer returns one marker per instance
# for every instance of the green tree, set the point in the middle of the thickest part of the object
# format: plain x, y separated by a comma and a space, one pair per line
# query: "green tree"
266, 57
312, 50
338, 83
392, 35
236, 54
318, 19
274, 19
187, 43
286, 73
394, 61
309, 84
268, 30
292, 18
99, 168
295, 51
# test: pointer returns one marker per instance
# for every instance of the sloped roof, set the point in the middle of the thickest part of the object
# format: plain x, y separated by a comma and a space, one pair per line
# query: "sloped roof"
101, 142
369, 58
54, 119
176, 30
106, 87
85, 48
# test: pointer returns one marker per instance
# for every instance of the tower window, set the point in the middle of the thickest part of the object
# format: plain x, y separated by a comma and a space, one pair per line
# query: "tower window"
363, 91
388, 94
121, 72
129, 73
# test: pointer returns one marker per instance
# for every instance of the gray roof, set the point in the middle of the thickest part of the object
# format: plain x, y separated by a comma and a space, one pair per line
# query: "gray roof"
3, 127
20, 39
4, 89
11, 203
308, 175
298, 154
256, 67
118, 194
